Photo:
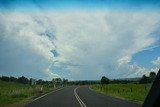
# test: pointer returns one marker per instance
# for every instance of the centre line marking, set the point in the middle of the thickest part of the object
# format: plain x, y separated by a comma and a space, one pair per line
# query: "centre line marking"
78, 98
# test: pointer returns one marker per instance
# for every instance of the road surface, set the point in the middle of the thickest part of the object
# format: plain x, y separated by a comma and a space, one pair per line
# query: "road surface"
79, 97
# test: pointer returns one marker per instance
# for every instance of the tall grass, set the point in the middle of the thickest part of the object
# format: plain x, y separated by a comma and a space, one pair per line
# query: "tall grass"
11, 92
136, 92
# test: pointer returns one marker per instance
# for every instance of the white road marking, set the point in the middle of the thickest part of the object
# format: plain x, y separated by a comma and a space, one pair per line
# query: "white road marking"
90, 88
47, 94
78, 98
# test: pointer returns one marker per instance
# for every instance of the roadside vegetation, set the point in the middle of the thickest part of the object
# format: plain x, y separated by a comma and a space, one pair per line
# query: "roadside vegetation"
19, 91
16, 92
130, 91
135, 90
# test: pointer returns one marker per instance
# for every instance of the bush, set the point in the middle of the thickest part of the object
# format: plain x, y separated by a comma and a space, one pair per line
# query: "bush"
104, 80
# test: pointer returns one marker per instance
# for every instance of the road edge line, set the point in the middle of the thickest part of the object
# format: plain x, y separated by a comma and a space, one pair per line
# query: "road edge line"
47, 94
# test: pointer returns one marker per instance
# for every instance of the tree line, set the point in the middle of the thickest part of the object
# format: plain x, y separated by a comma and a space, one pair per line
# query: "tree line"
143, 80
148, 79
59, 81
25, 80
55, 81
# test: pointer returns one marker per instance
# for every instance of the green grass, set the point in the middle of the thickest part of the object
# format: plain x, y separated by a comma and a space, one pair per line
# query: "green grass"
13, 93
135, 92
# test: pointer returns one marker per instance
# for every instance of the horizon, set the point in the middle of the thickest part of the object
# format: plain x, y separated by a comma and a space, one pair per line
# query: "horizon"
79, 40
125, 79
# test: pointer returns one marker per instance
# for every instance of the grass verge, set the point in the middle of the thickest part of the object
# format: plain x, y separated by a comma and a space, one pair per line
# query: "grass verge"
133, 92
17, 95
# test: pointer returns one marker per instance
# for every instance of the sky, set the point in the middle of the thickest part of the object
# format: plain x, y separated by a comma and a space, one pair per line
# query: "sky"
79, 39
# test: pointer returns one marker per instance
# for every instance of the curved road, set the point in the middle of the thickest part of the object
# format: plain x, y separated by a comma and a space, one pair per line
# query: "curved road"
79, 97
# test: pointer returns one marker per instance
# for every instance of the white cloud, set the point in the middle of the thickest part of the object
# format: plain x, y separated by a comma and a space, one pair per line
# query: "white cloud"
89, 44
23, 50
157, 62
155, 70
97, 41
157, 65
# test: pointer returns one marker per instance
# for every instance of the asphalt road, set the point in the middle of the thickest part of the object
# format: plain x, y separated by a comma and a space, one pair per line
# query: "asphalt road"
79, 97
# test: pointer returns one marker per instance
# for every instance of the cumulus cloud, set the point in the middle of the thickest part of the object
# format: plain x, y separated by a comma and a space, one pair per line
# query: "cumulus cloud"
24, 50
89, 44
102, 43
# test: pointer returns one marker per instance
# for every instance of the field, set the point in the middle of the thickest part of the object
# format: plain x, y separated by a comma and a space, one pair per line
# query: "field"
135, 92
14, 94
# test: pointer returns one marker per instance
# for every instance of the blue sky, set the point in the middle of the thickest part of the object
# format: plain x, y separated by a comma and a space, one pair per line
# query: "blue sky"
144, 58
79, 39
81, 4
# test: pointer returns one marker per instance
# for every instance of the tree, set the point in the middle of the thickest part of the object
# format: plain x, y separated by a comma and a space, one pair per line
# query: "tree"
65, 81
57, 81
104, 80
149, 79
13, 79
5, 78
40, 82
23, 80
152, 76
144, 79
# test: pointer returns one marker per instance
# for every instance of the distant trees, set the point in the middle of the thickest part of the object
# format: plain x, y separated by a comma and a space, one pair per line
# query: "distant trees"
23, 80
61, 82
149, 79
152, 76
121, 81
65, 81
56, 81
40, 82
144, 79
83, 82
5, 78
104, 80
13, 79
